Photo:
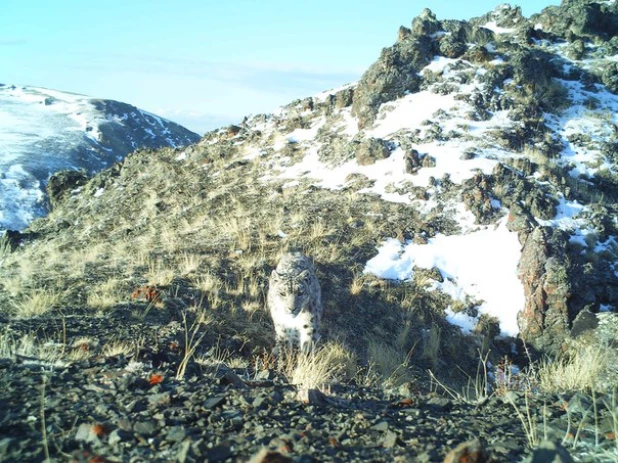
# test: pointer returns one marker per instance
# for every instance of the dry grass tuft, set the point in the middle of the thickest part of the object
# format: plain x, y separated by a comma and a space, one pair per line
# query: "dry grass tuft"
36, 303
590, 368
332, 362
388, 365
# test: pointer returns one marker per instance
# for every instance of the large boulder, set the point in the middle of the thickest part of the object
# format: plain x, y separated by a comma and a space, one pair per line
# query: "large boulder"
544, 272
368, 150
414, 161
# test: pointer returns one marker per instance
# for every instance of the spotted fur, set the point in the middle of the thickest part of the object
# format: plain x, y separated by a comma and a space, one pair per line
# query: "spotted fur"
295, 302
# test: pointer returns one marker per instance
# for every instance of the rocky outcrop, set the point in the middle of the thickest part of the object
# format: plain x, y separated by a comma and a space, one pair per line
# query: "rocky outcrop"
577, 18
475, 195
544, 272
515, 190
369, 150
414, 161
62, 183
396, 71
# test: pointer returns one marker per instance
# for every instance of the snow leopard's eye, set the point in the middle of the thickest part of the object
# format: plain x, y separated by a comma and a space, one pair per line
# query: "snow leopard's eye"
282, 292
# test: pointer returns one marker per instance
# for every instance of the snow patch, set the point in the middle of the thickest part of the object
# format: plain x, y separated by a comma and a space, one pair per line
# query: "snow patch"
493, 26
481, 265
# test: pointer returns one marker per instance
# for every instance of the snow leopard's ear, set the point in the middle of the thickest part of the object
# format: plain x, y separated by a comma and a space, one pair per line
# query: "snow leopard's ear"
304, 275
275, 276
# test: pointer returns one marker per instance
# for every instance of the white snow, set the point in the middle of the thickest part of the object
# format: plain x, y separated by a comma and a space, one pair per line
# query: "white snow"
438, 64
493, 26
481, 265
322, 96
409, 112
20, 197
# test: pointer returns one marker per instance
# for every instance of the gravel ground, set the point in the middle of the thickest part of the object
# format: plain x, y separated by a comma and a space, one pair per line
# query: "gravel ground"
130, 408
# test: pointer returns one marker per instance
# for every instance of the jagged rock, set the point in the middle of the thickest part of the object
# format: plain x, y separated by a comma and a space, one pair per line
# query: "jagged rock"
403, 33
392, 75
610, 77
550, 452
532, 68
576, 50
60, 185
514, 190
544, 272
475, 195
460, 29
334, 149
414, 161
452, 47
469, 153
579, 18
477, 54
425, 23
503, 15
521, 222
482, 36
369, 150
593, 284
344, 98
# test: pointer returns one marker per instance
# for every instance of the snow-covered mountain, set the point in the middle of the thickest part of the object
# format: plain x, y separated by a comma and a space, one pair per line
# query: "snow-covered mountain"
43, 131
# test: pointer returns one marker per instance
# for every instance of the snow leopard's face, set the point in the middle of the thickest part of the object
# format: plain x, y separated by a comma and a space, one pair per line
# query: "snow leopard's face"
291, 291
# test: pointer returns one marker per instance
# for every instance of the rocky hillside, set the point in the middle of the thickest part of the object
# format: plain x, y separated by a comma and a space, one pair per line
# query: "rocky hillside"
459, 202
44, 131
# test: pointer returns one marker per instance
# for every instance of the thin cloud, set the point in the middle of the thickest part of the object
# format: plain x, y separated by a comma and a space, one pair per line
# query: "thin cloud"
12, 42
270, 77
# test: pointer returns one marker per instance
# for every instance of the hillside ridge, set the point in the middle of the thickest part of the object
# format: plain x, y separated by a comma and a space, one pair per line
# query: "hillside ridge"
44, 131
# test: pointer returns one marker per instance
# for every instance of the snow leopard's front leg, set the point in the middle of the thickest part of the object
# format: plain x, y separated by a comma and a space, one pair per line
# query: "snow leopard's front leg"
309, 337
286, 340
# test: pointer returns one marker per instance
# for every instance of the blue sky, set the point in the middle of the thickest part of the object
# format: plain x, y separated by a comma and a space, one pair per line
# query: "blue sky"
204, 62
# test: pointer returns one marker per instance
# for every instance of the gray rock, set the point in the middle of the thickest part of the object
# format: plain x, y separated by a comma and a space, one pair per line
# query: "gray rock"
214, 402
382, 426
219, 453
176, 434
85, 433
425, 23
550, 452
369, 150
145, 428
159, 400
119, 435
389, 440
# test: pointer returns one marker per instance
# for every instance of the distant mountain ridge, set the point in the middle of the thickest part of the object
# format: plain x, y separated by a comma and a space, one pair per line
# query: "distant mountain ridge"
43, 131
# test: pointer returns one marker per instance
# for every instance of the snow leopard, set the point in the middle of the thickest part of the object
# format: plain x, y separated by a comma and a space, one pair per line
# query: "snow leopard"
295, 303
